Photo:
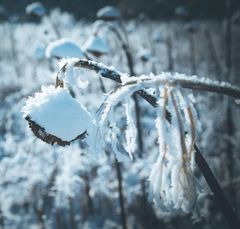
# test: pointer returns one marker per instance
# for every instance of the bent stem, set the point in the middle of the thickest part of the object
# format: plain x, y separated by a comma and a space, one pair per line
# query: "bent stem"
200, 84
120, 188
209, 86
129, 58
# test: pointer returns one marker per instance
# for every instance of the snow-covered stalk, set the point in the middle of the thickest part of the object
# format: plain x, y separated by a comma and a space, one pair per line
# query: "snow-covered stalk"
119, 172
193, 82
129, 58
130, 132
171, 181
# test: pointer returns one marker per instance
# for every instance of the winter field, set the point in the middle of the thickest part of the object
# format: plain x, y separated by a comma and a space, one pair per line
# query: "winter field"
117, 183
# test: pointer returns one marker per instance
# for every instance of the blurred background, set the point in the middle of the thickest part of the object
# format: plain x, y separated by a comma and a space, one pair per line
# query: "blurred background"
44, 186
154, 9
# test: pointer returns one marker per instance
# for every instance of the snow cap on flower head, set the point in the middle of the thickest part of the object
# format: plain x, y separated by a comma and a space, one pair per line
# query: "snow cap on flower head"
63, 48
55, 117
97, 46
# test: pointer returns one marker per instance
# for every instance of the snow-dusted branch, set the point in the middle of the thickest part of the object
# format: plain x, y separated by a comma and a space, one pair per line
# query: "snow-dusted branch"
189, 82
101, 69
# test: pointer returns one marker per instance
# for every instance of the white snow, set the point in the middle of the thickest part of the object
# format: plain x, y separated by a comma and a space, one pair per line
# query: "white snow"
64, 48
96, 44
108, 13
167, 78
58, 113
36, 9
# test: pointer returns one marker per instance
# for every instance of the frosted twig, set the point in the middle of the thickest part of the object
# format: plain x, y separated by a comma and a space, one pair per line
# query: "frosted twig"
192, 82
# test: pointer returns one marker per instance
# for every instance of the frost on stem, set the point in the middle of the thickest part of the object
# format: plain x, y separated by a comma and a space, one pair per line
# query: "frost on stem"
107, 123
188, 82
172, 185
131, 130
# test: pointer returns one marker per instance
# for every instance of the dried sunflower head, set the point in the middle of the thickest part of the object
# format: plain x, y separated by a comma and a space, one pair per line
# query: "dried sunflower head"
55, 117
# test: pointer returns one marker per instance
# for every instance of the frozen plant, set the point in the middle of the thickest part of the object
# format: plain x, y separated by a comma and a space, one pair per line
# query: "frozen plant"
55, 117
172, 183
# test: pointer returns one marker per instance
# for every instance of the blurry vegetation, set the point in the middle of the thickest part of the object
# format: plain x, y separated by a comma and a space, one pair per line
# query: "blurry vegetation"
155, 9
48, 187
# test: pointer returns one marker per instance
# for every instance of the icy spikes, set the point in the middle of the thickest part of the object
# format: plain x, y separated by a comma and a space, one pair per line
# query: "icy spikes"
55, 117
